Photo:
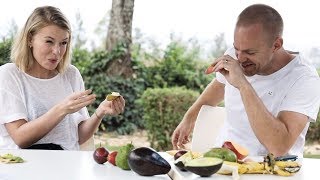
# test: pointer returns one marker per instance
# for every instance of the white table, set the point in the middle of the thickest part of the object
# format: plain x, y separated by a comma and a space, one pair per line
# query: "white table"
79, 165
64, 165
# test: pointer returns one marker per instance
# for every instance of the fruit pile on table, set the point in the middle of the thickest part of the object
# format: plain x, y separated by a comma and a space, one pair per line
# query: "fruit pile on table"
142, 160
230, 159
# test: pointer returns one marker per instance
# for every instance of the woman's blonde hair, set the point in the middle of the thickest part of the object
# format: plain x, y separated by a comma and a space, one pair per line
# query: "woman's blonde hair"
41, 17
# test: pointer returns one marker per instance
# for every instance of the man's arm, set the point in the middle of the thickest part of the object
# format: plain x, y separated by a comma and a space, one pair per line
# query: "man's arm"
212, 95
277, 134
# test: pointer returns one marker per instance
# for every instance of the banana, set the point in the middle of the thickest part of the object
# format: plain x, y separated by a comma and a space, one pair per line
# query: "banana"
269, 166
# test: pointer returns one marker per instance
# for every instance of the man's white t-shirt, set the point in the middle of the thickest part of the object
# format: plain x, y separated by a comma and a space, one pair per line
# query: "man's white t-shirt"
25, 97
295, 88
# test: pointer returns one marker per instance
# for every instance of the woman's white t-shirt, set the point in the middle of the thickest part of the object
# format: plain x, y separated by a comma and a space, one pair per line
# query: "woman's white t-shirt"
25, 97
295, 88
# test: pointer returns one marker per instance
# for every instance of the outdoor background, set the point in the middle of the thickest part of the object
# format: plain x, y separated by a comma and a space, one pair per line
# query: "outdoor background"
158, 63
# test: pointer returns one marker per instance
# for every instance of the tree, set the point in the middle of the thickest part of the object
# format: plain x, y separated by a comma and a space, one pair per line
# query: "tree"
220, 46
79, 39
119, 32
101, 30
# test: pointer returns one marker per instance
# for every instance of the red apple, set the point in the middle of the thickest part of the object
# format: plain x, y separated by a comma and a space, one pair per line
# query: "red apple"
112, 157
239, 150
179, 154
100, 155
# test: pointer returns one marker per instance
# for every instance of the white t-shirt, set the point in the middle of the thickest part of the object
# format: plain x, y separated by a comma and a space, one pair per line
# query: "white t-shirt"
25, 97
294, 87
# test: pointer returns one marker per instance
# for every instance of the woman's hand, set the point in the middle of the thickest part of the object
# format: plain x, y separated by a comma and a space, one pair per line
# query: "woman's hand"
76, 101
114, 107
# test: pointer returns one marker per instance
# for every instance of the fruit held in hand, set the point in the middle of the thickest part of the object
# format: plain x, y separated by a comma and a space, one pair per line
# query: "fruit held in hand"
239, 150
113, 96
112, 157
179, 154
100, 155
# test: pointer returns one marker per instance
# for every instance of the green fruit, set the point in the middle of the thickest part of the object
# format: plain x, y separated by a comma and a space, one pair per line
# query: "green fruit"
222, 153
122, 156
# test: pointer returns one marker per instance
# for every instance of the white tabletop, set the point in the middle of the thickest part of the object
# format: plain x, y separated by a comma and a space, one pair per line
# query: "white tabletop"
78, 165
64, 165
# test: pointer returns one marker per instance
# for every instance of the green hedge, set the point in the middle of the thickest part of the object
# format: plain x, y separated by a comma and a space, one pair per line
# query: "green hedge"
5, 49
178, 67
93, 66
163, 109
313, 134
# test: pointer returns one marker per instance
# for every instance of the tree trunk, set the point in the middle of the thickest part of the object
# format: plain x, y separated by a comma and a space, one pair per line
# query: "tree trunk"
119, 31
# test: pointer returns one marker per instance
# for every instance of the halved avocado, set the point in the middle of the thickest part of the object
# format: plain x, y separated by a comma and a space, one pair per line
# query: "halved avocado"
204, 166
182, 160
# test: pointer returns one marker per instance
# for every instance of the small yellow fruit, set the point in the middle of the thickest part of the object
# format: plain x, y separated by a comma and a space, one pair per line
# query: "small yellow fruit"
113, 96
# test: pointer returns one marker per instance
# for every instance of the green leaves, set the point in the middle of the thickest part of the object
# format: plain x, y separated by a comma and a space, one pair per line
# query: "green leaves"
163, 110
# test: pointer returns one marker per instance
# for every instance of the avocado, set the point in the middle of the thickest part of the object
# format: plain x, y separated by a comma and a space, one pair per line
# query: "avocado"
222, 153
182, 160
147, 162
122, 156
204, 166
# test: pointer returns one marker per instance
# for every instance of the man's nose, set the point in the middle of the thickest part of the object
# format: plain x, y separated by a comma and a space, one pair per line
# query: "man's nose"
241, 56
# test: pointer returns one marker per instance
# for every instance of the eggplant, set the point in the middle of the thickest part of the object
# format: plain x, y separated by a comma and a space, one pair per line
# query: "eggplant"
147, 162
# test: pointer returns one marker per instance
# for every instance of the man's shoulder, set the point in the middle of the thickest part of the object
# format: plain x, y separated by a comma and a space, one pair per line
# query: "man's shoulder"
304, 68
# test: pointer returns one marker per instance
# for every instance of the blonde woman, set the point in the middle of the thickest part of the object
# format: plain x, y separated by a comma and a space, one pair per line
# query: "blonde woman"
42, 96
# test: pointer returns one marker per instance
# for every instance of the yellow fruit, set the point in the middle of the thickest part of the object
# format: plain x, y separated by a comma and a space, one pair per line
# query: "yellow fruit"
112, 96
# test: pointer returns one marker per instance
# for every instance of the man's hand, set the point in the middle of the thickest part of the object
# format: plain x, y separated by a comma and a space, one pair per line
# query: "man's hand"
230, 69
181, 134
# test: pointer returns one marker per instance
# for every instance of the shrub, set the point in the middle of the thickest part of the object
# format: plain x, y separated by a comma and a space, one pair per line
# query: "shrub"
130, 89
163, 110
178, 67
313, 134
93, 67
5, 49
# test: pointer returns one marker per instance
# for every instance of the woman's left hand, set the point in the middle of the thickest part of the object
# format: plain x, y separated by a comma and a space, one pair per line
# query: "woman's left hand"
114, 107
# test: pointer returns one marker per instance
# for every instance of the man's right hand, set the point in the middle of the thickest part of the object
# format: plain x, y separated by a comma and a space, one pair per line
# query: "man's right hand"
181, 134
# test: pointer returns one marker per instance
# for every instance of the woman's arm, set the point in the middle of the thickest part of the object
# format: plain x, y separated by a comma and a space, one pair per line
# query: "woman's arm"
25, 133
88, 128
